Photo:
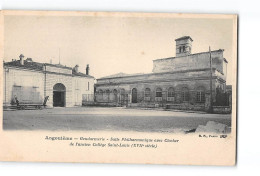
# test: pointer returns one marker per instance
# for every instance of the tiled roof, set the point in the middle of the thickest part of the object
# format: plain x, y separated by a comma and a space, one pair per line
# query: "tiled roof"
184, 37
39, 66
121, 75
59, 66
27, 65
81, 74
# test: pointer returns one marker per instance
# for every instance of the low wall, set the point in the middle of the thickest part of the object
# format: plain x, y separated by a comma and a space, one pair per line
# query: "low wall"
143, 105
186, 106
222, 109
182, 106
100, 104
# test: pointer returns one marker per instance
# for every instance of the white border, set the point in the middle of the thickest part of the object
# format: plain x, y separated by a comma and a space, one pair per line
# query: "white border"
248, 84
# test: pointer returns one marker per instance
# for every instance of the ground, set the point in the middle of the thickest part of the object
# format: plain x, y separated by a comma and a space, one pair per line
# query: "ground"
100, 118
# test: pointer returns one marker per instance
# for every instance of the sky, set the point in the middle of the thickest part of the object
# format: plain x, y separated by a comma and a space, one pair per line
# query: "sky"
111, 44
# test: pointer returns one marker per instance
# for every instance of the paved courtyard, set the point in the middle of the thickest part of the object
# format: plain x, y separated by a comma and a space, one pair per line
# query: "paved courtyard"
100, 118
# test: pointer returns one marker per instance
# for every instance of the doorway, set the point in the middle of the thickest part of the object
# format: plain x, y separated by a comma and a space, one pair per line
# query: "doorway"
59, 95
134, 95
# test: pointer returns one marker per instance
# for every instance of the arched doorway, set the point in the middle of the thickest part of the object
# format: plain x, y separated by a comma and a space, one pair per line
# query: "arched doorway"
59, 95
115, 95
134, 95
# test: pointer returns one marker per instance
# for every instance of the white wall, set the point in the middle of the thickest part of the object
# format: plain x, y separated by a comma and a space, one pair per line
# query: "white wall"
83, 86
75, 86
24, 78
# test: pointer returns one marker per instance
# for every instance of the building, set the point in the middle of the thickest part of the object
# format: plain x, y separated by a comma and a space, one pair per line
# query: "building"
181, 82
31, 81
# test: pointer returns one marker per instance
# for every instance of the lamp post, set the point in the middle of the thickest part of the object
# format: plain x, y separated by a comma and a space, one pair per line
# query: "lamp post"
211, 100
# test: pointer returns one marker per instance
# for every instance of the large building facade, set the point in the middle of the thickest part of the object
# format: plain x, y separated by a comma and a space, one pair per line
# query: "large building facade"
181, 82
30, 82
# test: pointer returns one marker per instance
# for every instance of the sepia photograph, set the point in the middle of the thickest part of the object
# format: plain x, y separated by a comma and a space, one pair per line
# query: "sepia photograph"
120, 73
117, 73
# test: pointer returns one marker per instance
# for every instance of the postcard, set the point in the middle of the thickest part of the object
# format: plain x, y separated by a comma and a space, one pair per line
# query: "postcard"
118, 87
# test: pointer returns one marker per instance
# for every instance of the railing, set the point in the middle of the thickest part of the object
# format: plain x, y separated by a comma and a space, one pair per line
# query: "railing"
158, 98
87, 97
147, 98
170, 98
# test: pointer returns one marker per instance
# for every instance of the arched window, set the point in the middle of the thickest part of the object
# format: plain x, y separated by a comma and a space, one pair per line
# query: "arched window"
100, 92
115, 92
122, 91
134, 95
171, 92
185, 94
107, 91
158, 92
180, 49
114, 96
147, 92
123, 96
200, 94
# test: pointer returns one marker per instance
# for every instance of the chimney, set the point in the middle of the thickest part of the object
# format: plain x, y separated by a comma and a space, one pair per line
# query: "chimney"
21, 59
87, 69
76, 68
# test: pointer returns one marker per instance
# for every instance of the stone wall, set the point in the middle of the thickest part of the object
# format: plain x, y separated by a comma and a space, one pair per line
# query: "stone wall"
193, 61
107, 92
222, 109
174, 76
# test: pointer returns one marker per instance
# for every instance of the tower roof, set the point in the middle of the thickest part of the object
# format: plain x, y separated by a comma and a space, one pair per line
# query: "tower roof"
184, 37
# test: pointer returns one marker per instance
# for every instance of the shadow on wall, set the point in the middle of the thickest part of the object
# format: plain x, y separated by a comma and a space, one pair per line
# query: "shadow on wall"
26, 95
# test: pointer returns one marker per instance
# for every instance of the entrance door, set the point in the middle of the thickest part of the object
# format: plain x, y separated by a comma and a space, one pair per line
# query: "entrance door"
58, 99
134, 95
59, 95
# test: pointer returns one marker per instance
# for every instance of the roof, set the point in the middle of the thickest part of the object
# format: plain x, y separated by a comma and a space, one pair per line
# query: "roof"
117, 75
191, 55
27, 65
158, 73
81, 74
39, 66
58, 65
29, 59
184, 37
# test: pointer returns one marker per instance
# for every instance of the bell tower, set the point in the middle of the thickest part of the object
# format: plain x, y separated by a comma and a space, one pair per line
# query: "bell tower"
183, 46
